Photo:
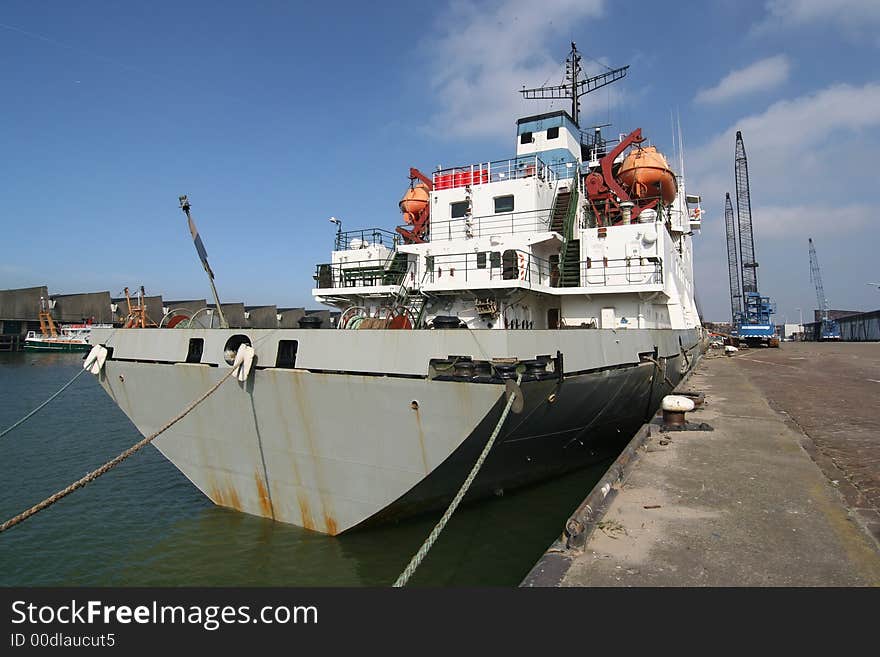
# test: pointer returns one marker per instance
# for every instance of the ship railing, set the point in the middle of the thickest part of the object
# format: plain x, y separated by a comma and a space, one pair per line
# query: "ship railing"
488, 266
645, 270
503, 223
362, 273
361, 239
500, 170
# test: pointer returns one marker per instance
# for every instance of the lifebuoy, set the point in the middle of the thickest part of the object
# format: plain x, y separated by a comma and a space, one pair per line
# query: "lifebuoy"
522, 266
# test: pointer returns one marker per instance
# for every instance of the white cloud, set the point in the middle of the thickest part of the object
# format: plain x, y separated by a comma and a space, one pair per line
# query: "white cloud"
858, 18
785, 221
763, 74
488, 51
811, 174
793, 142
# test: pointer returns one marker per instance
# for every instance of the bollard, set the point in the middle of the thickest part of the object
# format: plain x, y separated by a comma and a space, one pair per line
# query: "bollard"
674, 407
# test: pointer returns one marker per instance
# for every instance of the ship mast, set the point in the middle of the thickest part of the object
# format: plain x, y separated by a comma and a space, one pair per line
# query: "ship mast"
574, 87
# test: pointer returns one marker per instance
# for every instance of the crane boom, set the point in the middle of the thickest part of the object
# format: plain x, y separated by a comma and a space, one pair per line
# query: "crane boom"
744, 213
816, 279
829, 329
736, 306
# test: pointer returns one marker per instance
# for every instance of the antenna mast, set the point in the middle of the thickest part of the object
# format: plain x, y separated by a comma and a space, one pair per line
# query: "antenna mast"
574, 87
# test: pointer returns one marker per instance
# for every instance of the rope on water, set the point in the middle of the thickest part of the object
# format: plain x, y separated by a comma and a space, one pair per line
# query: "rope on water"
49, 501
435, 533
60, 390
41, 406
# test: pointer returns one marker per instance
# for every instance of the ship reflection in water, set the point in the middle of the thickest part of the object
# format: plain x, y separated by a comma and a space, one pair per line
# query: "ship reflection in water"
145, 524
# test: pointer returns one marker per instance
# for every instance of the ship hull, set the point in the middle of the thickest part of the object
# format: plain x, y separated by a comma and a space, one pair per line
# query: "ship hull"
334, 450
46, 345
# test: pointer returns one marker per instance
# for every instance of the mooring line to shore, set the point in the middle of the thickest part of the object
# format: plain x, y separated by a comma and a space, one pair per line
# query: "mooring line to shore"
58, 392
435, 533
109, 465
41, 406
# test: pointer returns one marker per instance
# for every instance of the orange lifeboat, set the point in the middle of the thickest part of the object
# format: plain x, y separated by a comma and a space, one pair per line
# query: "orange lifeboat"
414, 202
646, 174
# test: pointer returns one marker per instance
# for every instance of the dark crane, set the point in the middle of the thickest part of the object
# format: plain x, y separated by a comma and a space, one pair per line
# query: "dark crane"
830, 329
755, 326
744, 213
736, 306
574, 87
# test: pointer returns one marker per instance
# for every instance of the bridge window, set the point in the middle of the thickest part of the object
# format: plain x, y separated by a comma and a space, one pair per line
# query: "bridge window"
481, 260
553, 133
504, 203
495, 259
459, 209
526, 138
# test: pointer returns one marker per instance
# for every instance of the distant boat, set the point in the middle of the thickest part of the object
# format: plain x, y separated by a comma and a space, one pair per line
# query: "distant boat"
67, 337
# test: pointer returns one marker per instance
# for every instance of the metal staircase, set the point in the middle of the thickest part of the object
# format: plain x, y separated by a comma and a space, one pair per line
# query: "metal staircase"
562, 222
569, 264
560, 211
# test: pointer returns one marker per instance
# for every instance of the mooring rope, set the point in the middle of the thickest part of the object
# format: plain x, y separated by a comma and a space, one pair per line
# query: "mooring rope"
60, 390
41, 406
109, 465
435, 533
662, 371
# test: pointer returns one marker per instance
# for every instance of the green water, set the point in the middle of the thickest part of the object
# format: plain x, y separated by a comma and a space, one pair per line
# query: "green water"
144, 524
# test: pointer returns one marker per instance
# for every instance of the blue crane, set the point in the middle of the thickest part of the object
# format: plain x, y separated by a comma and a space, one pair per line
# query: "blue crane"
755, 327
830, 328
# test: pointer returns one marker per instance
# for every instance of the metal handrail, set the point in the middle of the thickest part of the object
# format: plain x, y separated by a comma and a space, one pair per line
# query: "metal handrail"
366, 236
523, 221
645, 270
526, 267
485, 172
359, 273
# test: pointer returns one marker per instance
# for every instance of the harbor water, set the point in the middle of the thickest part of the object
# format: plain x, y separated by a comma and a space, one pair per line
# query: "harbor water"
144, 524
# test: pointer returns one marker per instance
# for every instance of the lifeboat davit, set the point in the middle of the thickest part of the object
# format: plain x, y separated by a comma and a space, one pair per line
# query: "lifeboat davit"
414, 202
646, 174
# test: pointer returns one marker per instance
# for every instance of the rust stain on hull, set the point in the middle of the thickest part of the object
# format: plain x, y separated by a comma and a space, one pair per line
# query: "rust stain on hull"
263, 496
330, 524
226, 498
232, 498
309, 435
421, 439
307, 521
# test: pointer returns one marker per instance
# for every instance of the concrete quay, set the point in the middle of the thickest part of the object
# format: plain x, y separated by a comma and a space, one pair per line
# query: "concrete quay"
783, 491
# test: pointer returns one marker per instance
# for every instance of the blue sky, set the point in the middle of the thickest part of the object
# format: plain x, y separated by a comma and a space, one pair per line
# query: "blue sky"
275, 116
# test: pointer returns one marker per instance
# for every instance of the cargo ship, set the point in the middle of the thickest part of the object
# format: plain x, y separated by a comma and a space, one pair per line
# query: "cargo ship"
567, 267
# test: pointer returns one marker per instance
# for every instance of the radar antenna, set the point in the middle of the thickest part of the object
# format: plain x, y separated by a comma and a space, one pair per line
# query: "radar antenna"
574, 87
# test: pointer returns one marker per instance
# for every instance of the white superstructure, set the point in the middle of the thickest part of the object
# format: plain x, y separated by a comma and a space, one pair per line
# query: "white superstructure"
517, 244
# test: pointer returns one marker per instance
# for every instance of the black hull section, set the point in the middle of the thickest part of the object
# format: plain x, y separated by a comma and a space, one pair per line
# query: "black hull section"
563, 426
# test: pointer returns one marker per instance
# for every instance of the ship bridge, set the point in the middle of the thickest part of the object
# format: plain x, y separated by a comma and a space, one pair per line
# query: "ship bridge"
554, 138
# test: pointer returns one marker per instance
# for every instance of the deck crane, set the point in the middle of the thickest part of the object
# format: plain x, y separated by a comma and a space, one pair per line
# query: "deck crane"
755, 327
829, 329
